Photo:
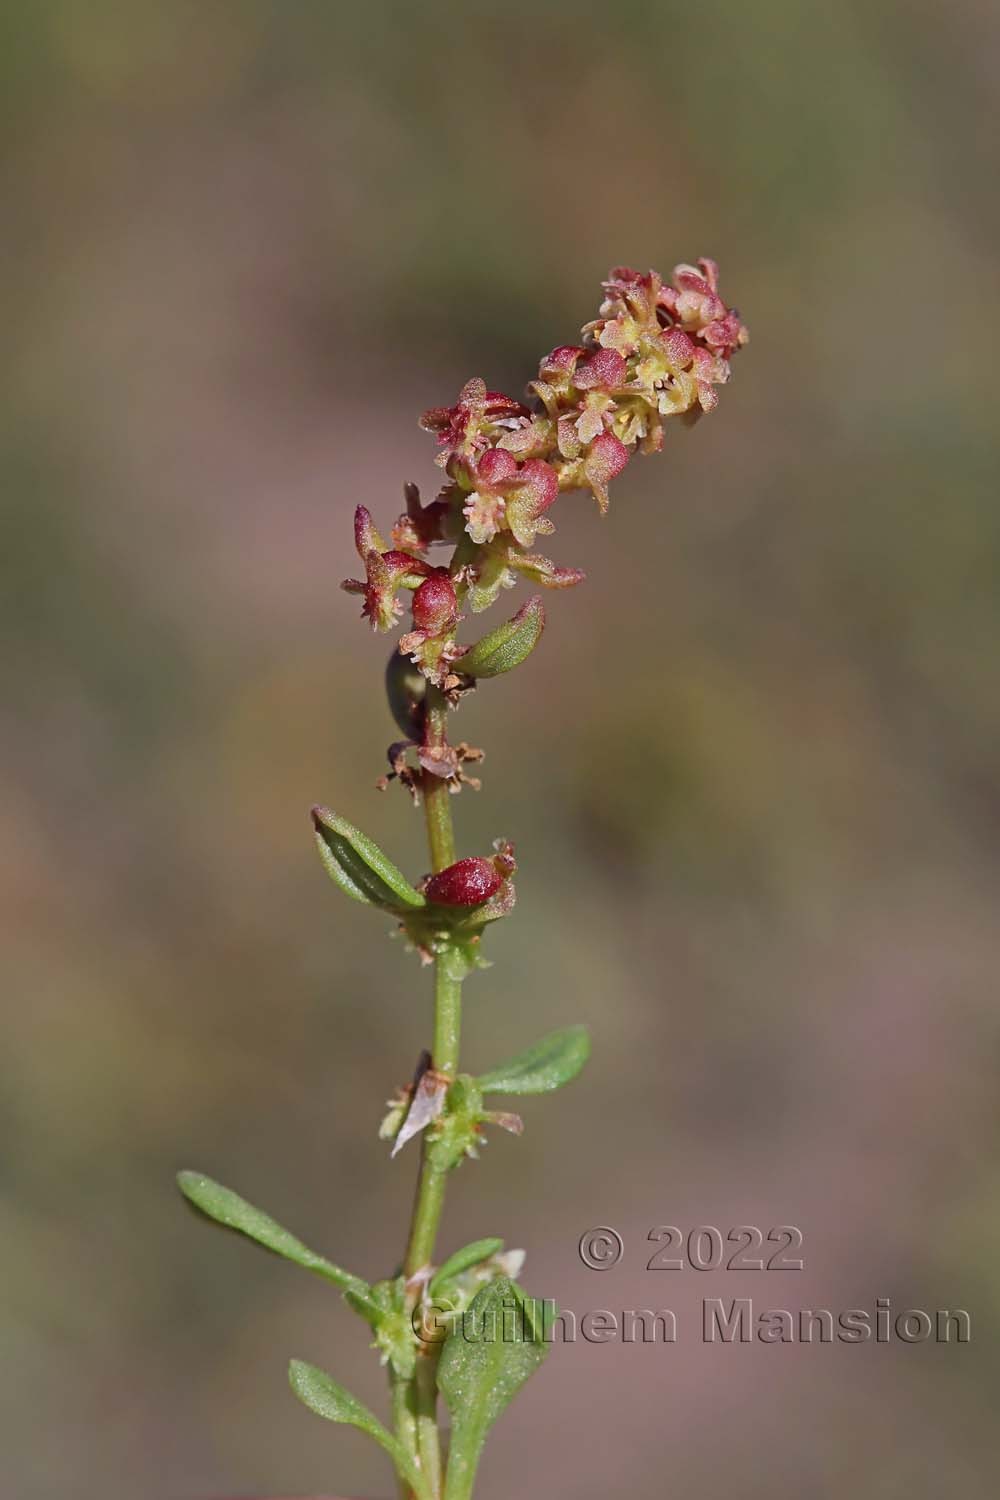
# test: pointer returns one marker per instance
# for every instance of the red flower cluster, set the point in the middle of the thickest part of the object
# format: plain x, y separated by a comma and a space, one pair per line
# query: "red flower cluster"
655, 350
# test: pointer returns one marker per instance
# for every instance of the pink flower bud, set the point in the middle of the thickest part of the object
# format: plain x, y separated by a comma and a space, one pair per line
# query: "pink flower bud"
603, 370
536, 488
469, 882
434, 603
561, 360
496, 468
612, 453
725, 334
607, 457
677, 347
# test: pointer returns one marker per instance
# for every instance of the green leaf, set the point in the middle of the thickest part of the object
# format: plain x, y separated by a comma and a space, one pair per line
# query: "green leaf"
361, 1306
470, 1255
486, 1358
506, 647
233, 1212
550, 1063
359, 867
328, 1399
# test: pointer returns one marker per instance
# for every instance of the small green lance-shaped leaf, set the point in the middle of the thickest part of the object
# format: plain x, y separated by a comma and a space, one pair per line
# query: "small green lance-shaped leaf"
550, 1063
233, 1212
359, 867
328, 1399
374, 1304
469, 1255
488, 1355
506, 647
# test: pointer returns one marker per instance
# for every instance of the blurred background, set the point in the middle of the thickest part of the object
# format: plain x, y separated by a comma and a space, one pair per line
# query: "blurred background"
751, 774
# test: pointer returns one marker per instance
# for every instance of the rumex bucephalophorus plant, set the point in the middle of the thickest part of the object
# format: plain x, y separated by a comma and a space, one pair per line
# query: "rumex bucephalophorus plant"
463, 1329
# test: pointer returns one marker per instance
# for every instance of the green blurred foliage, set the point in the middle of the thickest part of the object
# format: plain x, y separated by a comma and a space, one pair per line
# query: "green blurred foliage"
751, 770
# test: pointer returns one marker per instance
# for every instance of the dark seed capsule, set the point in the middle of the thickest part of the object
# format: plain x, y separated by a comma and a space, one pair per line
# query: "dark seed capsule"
466, 883
405, 687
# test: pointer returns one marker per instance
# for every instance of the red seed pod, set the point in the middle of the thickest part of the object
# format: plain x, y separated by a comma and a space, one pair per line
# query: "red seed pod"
466, 883
434, 603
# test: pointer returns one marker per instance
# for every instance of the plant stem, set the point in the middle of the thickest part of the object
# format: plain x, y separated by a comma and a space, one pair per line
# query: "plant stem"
406, 1425
421, 1397
437, 797
428, 1438
447, 996
431, 1182
447, 1013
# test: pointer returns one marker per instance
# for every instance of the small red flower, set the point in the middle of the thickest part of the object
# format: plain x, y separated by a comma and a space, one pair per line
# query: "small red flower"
485, 509
508, 496
385, 573
694, 301
477, 419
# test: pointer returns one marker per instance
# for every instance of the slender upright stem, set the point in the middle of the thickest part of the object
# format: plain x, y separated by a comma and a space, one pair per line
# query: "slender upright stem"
403, 1404
437, 797
431, 1182
425, 1401
447, 997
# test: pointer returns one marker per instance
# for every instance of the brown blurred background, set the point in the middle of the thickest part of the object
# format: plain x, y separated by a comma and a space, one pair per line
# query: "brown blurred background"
752, 773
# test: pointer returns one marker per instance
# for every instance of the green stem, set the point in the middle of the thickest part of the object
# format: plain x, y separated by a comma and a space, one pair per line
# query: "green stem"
447, 1013
428, 1437
406, 1426
420, 1405
437, 797
432, 1181
447, 996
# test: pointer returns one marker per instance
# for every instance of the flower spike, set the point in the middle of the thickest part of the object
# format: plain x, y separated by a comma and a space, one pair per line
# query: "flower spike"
463, 1328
